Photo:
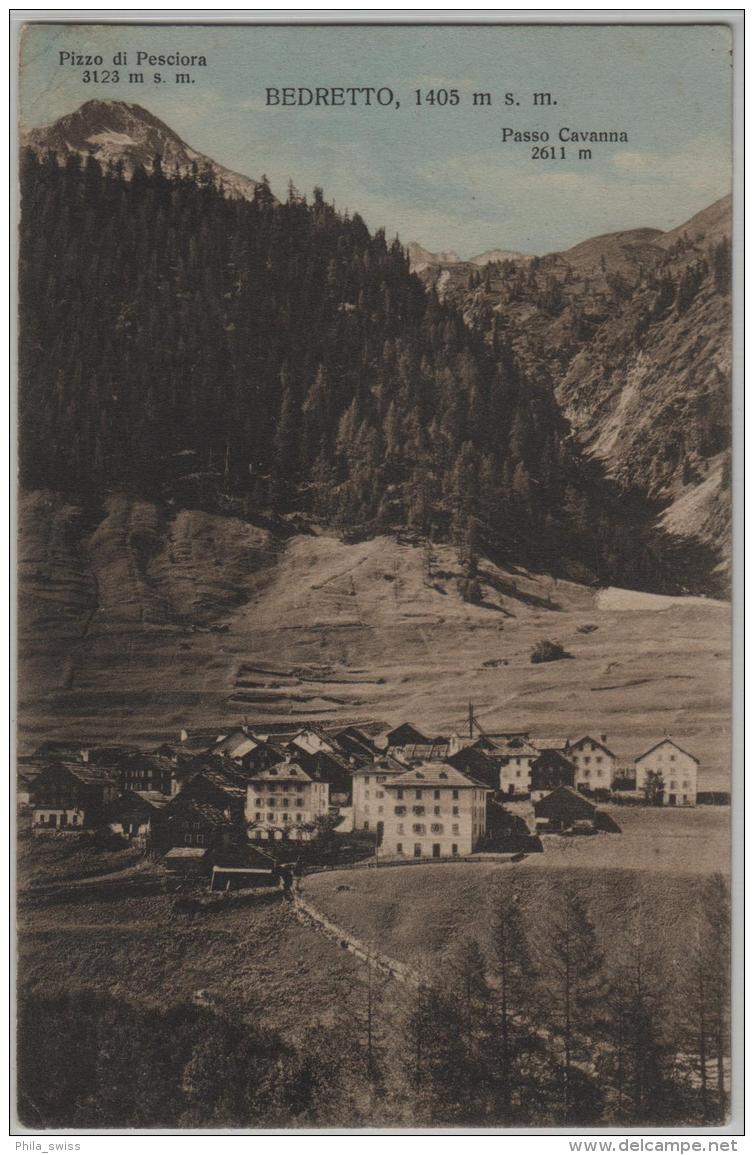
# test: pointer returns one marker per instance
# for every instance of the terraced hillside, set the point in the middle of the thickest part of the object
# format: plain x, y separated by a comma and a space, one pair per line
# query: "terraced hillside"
142, 621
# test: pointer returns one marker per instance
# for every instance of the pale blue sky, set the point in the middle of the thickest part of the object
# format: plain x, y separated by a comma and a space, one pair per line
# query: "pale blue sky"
438, 175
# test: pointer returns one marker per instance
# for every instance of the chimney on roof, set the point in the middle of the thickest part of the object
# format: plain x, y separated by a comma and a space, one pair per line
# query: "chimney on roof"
603, 738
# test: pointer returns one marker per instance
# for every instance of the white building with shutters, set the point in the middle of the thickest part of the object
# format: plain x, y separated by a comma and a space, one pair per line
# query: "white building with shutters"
284, 801
432, 811
679, 771
594, 761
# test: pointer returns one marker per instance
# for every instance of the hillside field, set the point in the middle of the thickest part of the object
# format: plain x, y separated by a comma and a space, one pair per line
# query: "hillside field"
645, 883
146, 621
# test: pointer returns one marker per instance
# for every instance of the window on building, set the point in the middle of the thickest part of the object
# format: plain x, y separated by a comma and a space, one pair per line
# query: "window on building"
418, 828
587, 760
437, 793
399, 828
258, 816
366, 825
381, 777
299, 802
454, 848
672, 757
455, 829
270, 817
437, 810
285, 818
399, 793
366, 779
455, 794
400, 810
399, 847
436, 827
380, 793
598, 758
418, 793
380, 809
417, 850
418, 809
366, 793
455, 810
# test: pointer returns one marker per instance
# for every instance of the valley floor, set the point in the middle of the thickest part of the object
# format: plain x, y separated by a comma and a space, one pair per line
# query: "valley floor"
215, 623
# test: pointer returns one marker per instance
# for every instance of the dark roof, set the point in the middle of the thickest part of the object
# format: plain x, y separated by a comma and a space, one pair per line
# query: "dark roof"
229, 783
108, 755
141, 759
552, 757
404, 733
671, 743
180, 806
89, 775
588, 738
435, 774
284, 771
564, 800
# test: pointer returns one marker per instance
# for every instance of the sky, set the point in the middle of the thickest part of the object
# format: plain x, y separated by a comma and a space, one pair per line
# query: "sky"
436, 175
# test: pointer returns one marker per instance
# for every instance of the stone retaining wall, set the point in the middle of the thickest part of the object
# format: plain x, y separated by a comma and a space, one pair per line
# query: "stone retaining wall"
306, 912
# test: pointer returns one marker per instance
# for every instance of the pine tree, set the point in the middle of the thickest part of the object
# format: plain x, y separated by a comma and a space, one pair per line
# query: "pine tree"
577, 986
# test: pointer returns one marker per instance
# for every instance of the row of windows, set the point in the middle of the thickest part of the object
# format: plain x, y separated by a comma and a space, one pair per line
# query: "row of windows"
418, 793
419, 853
378, 778
298, 789
420, 828
401, 811
378, 793
280, 802
274, 817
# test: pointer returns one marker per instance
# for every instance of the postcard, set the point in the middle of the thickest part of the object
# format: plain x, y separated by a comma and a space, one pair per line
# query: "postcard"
374, 750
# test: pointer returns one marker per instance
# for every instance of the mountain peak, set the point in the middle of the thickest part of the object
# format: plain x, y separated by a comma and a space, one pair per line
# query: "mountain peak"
118, 131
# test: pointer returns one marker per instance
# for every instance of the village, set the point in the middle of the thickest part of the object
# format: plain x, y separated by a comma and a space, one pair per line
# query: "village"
232, 806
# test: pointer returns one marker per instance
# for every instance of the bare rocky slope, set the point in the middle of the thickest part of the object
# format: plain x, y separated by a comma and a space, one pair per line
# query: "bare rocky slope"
136, 622
644, 382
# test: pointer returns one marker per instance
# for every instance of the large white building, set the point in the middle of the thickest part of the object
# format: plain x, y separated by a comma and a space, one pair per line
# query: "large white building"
515, 754
679, 771
432, 811
595, 763
282, 801
369, 798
